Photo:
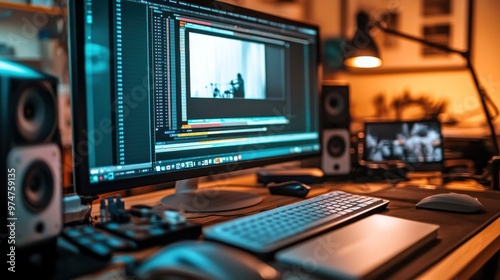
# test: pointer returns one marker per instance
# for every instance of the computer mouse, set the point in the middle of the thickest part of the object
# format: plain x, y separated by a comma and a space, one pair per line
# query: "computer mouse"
290, 188
451, 202
204, 260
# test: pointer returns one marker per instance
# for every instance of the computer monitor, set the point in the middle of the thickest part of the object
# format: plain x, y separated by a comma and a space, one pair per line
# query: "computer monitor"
166, 91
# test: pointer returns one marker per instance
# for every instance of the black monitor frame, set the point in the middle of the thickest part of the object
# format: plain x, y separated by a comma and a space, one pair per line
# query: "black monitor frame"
79, 106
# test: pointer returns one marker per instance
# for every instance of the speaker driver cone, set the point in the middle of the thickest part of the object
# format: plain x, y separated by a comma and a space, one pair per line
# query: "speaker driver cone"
336, 146
36, 114
335, 107
38, 186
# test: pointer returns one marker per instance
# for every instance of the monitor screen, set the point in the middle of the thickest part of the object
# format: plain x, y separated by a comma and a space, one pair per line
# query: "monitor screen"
417, 144
170, 90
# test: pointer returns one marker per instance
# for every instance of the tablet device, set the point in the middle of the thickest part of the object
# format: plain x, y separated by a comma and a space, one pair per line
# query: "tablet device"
416, 144
365, 249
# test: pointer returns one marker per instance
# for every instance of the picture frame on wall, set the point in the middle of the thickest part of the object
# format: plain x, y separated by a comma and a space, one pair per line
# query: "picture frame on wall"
445, 22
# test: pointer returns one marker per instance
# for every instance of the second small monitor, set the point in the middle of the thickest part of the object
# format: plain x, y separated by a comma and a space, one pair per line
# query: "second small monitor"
417, 144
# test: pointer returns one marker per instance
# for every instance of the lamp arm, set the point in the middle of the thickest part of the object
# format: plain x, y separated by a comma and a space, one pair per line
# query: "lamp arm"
465, 54
483, 96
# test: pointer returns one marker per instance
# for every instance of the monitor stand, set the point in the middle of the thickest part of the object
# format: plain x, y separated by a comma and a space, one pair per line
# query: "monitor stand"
189, 198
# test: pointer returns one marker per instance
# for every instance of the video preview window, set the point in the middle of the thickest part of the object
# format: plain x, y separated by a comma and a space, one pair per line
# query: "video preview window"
226, 68
415, 142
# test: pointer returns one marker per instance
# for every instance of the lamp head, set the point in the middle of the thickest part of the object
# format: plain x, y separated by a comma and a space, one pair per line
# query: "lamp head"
362, 51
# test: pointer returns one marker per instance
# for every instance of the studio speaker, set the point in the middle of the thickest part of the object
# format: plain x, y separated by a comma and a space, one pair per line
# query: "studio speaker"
30, 157
336, 120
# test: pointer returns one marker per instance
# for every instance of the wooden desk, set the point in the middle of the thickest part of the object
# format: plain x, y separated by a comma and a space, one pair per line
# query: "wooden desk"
462, 263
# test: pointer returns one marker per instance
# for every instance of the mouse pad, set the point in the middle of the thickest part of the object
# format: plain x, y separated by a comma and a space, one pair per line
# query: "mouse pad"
402, 205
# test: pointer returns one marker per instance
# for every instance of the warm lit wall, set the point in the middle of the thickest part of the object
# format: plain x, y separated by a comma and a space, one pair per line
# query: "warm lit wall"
289, 9
456, 86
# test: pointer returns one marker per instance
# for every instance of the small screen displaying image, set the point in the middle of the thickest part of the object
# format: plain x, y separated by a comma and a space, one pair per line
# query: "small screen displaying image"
410, 142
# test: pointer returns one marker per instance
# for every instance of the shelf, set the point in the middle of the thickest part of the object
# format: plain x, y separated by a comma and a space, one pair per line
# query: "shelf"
32, 8
32, 62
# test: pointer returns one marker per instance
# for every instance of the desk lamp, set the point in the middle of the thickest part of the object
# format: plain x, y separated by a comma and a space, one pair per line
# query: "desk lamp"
363, 53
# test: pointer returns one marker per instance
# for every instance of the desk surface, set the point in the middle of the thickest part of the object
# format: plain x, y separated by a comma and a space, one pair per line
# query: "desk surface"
461, 263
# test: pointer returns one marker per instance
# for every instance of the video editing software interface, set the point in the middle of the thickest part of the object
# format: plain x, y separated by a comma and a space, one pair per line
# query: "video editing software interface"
171, 85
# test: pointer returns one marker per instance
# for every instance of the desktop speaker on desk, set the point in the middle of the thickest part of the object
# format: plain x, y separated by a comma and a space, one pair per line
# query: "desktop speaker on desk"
30, 157
336, 120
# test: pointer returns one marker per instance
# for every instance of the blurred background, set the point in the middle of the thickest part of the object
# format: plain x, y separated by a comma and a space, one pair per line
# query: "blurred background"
414, 81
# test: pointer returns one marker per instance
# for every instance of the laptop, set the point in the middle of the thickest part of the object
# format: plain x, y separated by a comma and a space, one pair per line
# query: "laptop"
362, 250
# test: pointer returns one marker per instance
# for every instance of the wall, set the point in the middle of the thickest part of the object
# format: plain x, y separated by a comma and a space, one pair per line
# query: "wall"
456, 86
20, 31
297, 9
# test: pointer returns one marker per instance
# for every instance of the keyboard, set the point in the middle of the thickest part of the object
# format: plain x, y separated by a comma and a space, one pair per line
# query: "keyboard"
266, 232
96, 242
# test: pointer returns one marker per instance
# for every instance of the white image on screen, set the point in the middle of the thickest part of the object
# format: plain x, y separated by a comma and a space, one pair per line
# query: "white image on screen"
215, 63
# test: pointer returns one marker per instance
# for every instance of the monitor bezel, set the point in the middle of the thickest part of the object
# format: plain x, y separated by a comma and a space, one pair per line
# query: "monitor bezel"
81, 176
408, 166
